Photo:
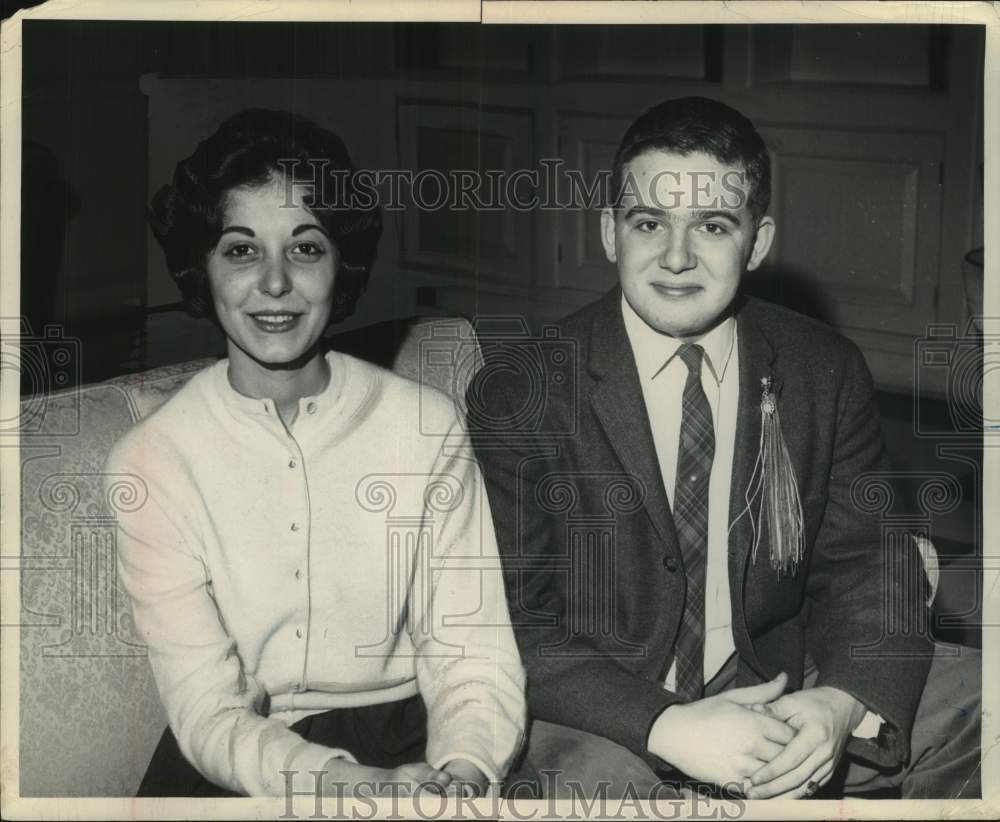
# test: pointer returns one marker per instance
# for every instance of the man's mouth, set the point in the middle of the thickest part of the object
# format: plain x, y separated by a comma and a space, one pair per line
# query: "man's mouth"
677, 291
275, 322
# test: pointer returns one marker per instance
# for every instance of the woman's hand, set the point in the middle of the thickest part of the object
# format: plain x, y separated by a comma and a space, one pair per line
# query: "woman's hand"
406, 780
467, 779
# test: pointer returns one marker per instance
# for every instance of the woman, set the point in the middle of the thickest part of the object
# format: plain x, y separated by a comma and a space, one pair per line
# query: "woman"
289, 629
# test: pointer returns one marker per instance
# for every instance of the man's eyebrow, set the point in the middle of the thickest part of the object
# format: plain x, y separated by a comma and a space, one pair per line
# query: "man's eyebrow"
716, 214
644, 211
299, 229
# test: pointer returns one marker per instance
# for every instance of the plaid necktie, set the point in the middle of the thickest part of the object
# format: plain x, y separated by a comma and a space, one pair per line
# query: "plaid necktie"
694, 467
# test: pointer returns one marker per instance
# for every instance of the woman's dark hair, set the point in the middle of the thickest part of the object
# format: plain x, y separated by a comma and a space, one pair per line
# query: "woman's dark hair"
248, 149
698, 124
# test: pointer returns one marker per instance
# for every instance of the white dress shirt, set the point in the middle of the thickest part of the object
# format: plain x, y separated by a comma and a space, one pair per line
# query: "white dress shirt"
662, 375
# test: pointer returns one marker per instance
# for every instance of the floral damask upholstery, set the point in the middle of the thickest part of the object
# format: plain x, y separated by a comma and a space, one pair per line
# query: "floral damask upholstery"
90, 716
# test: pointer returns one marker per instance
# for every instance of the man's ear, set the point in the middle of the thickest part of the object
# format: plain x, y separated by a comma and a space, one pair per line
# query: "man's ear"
608, 234
761, 243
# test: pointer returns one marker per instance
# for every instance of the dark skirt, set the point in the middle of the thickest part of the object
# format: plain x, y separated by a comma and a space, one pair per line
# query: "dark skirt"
381, 736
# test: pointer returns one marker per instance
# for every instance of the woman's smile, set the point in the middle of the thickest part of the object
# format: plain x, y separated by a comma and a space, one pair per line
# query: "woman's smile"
275, 322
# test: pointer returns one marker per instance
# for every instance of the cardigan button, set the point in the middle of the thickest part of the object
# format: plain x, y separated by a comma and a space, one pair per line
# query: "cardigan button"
670, 564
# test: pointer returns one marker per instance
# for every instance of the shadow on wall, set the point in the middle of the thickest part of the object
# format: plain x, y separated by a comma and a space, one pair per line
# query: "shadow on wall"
48, 203
791, 287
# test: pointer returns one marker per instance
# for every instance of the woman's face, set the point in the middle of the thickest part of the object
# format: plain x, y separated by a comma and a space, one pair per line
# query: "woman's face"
271, 275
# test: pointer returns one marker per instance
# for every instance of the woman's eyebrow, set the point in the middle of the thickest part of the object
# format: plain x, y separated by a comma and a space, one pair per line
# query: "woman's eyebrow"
239, 229
306, 226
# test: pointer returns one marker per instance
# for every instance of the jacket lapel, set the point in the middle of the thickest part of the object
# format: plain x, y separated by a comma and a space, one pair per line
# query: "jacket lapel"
619, 406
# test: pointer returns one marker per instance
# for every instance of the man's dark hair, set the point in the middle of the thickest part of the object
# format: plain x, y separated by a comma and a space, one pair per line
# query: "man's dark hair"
697, 124
248, 149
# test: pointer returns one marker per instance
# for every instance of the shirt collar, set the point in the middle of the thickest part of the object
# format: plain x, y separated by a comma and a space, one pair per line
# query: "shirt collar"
654, 350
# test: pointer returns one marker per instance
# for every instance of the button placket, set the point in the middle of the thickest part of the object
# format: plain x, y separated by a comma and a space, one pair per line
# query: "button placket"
297, 548
295, 463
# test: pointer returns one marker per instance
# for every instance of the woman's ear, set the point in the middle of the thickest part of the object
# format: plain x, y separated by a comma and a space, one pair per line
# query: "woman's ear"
763, 238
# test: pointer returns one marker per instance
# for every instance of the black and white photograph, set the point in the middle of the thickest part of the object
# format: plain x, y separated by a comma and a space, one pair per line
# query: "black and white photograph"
534, 410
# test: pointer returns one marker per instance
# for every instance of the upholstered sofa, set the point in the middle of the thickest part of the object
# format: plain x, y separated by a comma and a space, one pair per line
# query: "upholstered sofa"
90, 716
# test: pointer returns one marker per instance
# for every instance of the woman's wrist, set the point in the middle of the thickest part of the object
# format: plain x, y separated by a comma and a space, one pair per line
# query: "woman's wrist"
469, 776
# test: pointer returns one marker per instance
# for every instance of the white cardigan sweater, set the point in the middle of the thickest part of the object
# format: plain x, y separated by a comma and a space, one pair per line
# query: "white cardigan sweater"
352, 562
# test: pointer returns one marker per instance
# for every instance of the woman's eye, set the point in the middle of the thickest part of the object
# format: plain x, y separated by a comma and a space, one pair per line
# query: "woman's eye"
239, 251
308, 249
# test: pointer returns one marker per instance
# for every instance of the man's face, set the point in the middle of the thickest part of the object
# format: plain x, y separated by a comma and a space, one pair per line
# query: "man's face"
682, 237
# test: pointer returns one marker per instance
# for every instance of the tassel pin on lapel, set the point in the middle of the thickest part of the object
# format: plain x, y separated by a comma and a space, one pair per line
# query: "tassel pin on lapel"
773, 480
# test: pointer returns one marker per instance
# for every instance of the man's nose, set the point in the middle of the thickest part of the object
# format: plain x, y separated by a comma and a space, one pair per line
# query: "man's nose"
676, 256
274, 279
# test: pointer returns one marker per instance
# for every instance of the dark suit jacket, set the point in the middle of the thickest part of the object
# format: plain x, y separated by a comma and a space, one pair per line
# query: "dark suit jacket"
594, 575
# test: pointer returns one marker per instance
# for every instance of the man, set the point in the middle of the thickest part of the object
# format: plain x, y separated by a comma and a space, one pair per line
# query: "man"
695, 599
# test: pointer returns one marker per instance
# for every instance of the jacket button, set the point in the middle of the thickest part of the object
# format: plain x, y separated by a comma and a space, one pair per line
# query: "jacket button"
670, 564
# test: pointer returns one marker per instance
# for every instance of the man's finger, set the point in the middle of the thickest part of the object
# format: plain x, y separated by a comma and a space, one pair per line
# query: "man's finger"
775, 729
746, 766
766, 750
795, 753
763, 693
789, 782
820, 778
783, 707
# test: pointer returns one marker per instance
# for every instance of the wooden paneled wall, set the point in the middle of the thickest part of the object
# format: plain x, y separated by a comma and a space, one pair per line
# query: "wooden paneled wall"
873, 132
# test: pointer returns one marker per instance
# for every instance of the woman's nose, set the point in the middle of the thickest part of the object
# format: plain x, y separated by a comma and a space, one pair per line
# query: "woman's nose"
274, 280
676, 256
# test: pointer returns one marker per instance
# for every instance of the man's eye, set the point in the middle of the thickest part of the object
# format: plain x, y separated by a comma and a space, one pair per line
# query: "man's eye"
715, 229
647, 226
